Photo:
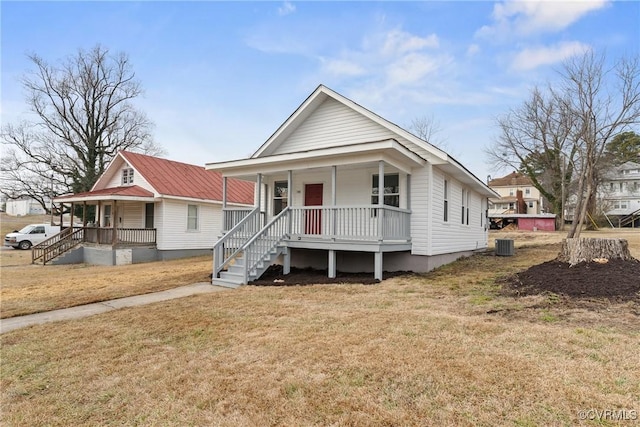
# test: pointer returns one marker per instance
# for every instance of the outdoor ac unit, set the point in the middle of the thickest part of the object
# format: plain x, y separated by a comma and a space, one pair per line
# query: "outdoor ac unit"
505, 247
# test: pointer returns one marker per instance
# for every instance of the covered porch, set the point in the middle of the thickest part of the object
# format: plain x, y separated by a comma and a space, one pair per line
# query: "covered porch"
328, 199
111, 218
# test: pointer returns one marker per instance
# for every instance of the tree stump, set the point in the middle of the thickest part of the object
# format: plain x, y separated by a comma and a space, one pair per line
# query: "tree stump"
575, 251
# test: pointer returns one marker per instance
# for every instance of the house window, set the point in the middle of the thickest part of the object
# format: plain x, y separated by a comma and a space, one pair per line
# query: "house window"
611, 186
280, 196
446, 201
464, 217
148, 215
192, 217
527, 191
511, 192
391, 190
531, 204
127, 176
620, 187
107, 216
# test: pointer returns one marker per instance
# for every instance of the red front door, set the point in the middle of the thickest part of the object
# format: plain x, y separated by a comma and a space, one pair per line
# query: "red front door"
313, 218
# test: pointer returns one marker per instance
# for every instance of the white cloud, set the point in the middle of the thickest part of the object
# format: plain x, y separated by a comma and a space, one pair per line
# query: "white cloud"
473, 49
411, 68
286, 8
397, 41
524, 18
342, 67
531, 58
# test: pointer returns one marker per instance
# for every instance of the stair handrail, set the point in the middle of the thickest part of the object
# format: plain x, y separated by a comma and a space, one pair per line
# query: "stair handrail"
219, 259
281, 219
629, 218
57, 244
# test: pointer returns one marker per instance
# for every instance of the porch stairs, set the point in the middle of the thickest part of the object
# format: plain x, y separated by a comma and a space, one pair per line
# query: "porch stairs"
57, 245
243, 255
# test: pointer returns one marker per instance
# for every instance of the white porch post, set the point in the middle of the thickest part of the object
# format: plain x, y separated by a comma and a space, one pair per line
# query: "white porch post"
334, 178
380, 198
377, 265
286, 253
224, 192
259, 190
332, 264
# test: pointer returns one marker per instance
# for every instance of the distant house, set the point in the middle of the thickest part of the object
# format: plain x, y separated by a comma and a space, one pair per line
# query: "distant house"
147, 208
520, 204
22, 207
619, 195
343, 189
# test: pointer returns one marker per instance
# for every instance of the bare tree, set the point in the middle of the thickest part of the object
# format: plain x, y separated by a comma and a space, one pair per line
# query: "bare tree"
428, 128
536, 138
604, 102
83, 115
564, 132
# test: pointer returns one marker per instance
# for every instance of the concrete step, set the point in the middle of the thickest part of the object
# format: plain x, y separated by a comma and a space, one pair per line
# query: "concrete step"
225, 283
232, 277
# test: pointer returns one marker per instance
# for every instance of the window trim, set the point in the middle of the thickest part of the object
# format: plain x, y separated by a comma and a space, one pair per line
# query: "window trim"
190, 217
374, 189
284, 199
446, 201
127, 176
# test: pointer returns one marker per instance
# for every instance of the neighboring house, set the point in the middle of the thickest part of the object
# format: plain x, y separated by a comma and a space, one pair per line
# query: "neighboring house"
319, 179
619, 195
146, 208
519, 205
517, 195
22, 207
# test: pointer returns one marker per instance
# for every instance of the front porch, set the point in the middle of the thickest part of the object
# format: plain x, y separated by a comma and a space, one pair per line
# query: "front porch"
332, 208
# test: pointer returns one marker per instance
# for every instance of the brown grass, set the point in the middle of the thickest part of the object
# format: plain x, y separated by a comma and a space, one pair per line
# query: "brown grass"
413, 350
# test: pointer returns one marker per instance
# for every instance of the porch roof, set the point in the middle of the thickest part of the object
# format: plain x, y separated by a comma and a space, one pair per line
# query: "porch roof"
389, 151
129, 193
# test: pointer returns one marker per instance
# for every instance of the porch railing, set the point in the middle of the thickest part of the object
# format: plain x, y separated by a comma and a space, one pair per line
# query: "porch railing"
232, 216
229, 245
366, 223
69, 238
264, 241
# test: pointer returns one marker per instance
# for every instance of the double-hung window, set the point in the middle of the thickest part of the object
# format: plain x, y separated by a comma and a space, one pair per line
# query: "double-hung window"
280, 196
192, 217
391, 190
446, 201
464, 217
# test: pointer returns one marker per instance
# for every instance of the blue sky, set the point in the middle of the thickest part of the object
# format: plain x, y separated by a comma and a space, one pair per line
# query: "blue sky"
220, 77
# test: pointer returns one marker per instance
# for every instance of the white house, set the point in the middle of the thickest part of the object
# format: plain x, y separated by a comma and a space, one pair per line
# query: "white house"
620, 194
145, 208
318, 180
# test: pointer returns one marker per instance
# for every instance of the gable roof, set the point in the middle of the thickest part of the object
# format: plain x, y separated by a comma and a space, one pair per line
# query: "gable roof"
423, 148
404, 138
514, 178
169, 178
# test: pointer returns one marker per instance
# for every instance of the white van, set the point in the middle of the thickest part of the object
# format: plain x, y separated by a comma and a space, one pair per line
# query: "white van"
30, 235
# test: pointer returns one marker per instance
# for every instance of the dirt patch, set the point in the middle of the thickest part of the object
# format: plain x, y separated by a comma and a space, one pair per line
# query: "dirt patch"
615, 280
308, 276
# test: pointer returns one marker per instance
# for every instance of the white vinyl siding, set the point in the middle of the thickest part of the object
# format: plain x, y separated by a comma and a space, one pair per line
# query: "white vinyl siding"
420, 211
453, 236
116, 179
333, 124
132, 214
171, 225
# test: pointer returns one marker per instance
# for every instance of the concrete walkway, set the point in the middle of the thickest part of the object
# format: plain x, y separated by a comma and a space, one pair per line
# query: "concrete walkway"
80, 311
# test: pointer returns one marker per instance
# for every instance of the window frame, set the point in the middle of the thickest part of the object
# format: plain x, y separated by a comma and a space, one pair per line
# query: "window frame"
282, 199
445, 200
387, 195
127, 176
191, 217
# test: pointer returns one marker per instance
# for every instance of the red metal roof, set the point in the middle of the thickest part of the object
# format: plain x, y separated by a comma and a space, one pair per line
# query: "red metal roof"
131, 191
514, 178
171, 178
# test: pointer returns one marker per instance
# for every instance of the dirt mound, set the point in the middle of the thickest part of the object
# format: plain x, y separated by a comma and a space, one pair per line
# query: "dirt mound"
308, 276
615, 280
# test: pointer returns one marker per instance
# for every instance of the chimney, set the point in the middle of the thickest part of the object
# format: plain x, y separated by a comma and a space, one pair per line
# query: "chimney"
521, 205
